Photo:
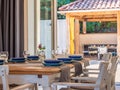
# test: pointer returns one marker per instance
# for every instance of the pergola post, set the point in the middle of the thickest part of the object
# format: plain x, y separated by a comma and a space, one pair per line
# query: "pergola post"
72, 27
84, 27
68, 33
118, 33
76, 38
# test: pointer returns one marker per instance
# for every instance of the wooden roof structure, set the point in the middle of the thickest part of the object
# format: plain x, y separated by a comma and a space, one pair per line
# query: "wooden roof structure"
91, 5
94, 10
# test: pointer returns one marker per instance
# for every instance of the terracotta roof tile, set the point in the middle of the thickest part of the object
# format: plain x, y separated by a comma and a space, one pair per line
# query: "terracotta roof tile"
91, 4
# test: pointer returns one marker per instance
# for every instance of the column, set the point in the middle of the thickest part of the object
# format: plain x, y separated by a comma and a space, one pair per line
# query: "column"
77, 37
118, 33
84, 27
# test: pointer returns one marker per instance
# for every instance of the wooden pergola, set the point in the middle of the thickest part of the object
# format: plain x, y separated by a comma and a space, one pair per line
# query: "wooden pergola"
90, 10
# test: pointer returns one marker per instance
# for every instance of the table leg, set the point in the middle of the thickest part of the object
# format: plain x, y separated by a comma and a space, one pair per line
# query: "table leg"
36, 86
46, 82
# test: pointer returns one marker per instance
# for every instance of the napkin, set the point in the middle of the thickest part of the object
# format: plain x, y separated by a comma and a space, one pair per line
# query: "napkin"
65, 74
78, 68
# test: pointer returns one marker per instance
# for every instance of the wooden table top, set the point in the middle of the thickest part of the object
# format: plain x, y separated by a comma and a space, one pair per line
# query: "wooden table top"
33, 69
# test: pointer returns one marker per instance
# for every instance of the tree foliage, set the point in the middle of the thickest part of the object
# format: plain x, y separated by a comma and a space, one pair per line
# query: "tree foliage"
101, 27
45, 8
61, 3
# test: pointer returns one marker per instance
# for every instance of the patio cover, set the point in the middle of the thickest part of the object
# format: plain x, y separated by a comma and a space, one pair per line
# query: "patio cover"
93, 10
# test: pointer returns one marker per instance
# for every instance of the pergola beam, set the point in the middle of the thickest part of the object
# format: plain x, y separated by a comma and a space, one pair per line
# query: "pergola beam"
84, 27
89, 12
97, 19
99, 16
77, 38
118, 33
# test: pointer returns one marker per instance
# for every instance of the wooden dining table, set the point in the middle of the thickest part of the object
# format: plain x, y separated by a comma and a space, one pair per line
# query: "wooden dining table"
34, 73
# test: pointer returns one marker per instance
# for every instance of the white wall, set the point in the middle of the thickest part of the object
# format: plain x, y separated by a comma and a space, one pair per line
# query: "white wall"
31, 43
101, 38
45, 36
62, 34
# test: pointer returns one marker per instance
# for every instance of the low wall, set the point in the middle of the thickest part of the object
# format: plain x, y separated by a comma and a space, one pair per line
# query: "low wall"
101, 38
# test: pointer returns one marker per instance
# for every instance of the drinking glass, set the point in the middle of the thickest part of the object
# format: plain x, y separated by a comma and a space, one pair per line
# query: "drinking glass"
54, 53
26, 54
41, 55
4, 56
63, 52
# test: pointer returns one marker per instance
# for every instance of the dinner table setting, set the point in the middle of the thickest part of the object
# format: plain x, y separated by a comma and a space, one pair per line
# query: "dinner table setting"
32, 69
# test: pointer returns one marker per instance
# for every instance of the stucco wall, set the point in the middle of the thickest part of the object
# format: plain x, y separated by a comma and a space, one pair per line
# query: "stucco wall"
101, 38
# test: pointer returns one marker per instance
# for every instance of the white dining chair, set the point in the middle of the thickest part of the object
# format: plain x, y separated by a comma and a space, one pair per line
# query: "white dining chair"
110, 75
106, 57
4, 72
100, 83
101, 51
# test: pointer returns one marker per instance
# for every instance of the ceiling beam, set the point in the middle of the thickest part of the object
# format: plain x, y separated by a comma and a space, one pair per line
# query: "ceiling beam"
97, 19
77, 14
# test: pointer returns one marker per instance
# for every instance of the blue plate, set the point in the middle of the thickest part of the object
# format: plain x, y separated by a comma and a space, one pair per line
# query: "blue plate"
77, 59
73, 56
1, 63
20, 61
66, 60
52, 61
33, 57
2, 60
18, 58
52, 64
